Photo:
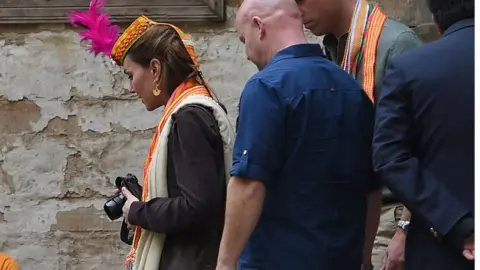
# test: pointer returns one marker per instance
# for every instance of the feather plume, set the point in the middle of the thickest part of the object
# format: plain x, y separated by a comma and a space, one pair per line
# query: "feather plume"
99, 31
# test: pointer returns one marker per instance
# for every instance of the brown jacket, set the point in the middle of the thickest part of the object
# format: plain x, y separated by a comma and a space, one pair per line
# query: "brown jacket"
192, 216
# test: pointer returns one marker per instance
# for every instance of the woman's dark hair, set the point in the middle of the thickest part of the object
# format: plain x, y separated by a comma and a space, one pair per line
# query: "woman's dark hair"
162, 42
448, 12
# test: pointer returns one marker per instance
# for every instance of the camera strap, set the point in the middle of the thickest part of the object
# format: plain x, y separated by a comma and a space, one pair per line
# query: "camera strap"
124, 234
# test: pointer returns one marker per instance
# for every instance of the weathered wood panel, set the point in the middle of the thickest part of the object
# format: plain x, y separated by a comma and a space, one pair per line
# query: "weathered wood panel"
217, 6
54, 11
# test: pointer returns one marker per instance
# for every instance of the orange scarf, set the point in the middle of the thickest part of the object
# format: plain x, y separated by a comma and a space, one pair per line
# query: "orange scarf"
361, 48
7, 263
184, 90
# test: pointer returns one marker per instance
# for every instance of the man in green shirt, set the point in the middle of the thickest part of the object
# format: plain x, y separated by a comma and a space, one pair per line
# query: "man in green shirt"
365, 54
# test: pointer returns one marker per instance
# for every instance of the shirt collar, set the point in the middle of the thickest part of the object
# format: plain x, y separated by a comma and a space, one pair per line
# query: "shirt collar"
459, 25
335, 47
297, 51
330, 41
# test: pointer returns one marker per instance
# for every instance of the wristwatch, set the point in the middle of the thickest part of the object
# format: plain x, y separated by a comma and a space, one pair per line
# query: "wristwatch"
367, 267
403, 224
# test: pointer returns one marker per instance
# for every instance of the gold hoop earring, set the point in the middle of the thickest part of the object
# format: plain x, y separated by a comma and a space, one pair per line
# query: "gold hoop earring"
156, 91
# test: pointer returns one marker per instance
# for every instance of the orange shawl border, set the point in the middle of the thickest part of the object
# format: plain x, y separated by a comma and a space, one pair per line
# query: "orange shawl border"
371, 33
183, 91
377, 21
7, 262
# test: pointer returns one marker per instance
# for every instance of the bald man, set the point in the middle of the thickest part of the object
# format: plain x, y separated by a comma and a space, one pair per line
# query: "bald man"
301, 169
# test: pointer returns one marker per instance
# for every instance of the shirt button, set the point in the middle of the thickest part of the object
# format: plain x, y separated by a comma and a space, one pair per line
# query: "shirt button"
244, 152
332, 89
432, 230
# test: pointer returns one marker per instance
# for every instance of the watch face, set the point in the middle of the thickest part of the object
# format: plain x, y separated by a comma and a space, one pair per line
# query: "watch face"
403, 224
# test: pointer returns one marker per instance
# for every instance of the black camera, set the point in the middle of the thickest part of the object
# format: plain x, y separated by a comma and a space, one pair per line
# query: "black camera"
113, 207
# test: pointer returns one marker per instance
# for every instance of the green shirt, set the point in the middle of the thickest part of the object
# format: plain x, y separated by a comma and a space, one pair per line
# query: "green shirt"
394, 39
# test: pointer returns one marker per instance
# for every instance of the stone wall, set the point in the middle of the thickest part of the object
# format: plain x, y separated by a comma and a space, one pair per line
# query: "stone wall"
68, 127
413, 13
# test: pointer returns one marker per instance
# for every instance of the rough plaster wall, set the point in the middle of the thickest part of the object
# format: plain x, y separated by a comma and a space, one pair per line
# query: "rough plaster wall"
68, 127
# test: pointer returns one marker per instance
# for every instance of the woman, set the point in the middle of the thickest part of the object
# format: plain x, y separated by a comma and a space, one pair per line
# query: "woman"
179, 219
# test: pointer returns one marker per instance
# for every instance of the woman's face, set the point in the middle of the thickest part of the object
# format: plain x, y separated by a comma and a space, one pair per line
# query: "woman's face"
143, 81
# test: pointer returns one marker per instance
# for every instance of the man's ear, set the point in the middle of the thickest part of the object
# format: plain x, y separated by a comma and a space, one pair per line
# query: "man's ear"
260, 25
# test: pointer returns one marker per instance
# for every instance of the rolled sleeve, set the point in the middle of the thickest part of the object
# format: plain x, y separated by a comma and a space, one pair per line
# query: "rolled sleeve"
260, 134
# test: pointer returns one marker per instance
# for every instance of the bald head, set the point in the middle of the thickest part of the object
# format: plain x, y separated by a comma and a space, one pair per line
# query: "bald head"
268, 10
268, 26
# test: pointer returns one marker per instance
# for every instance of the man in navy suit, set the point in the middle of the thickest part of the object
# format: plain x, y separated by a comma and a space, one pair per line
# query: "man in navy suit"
423, 146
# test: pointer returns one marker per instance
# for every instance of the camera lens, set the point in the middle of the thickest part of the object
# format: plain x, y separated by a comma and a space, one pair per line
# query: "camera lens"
113, 207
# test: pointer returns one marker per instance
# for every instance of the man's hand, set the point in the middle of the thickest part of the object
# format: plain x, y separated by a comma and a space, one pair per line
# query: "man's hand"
126, 206
394, 255
469, 248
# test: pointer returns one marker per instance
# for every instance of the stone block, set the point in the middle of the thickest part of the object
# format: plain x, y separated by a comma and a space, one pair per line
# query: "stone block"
409, 12
85, 219
17, 116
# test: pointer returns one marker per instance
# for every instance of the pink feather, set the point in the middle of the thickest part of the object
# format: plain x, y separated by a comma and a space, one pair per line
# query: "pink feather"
99, 28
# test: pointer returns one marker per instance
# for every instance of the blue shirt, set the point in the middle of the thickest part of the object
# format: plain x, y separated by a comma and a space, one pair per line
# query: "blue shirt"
305, 130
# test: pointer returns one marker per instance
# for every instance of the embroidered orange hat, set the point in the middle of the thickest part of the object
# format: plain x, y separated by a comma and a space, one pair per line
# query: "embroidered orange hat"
137, 29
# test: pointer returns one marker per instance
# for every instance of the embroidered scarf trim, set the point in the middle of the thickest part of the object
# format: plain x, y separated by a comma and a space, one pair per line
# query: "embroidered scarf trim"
361, 48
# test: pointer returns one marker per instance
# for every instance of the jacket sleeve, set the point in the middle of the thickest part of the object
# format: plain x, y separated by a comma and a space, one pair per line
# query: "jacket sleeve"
397, 167
407, 40
195, 155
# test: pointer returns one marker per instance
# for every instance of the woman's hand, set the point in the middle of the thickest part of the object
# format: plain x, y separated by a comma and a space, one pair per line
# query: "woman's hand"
126, 207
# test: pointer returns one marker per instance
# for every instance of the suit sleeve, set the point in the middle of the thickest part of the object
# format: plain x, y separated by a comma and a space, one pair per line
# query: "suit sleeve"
401, 171
194, 155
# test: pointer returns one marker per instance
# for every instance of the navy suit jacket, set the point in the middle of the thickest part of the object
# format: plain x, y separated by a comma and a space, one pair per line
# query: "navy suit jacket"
423, 146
